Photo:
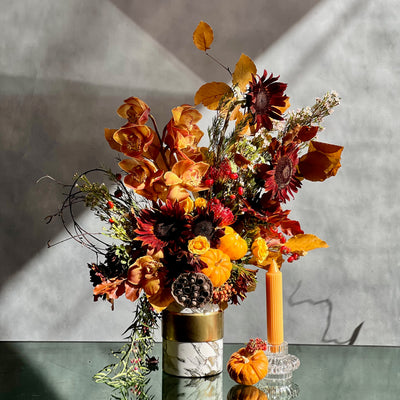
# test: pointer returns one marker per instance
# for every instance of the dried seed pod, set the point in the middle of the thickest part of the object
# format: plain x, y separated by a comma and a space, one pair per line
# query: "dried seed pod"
192, 289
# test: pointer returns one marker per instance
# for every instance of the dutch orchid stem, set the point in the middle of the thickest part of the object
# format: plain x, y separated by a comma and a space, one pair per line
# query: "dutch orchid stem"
161, 141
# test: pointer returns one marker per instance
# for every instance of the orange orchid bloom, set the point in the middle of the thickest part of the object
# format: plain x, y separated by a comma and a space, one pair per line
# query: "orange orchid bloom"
182, 131
136, 111
109, 135
185, 174
134, 139
144, 178
147, 274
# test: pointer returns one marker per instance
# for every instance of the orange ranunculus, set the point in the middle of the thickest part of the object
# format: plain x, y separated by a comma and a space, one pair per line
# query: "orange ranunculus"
143, 274
321, 162
136, 111
182, 131
134, 139
199, 245
185, 174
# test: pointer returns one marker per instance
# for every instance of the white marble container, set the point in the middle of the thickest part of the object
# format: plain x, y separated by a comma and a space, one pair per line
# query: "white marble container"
192, 341
174, 388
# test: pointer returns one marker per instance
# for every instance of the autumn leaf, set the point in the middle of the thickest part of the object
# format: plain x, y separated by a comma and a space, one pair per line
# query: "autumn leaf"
203, 36
321, 162
244, 69
272, 256
304, 242
210, 94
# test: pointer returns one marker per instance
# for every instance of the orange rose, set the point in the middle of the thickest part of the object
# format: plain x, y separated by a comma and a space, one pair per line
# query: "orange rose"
199, 245
259, 250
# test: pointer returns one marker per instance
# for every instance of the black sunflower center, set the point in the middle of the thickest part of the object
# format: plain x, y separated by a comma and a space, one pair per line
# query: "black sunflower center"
165, 231
204, 228
283, 172
261, 101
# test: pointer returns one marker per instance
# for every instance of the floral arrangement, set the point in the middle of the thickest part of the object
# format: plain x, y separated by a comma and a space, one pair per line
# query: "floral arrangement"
192, 224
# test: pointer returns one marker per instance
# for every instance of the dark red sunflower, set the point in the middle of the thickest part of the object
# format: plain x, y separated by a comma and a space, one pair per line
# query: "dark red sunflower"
263, 98
281, 179
165, 225
210, 219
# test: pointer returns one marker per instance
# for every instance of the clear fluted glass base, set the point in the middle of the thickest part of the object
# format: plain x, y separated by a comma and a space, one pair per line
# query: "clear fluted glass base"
278, 382
280, 390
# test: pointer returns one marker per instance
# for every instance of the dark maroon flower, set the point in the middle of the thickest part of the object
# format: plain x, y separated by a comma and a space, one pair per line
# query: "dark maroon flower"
281, 180
263, 98
165, 225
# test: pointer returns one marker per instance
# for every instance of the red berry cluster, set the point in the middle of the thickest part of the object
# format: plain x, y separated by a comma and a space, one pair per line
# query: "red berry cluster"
256, 344
293, 256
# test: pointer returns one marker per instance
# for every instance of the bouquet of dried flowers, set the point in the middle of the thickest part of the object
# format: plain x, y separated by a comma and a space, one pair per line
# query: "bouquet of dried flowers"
192, 224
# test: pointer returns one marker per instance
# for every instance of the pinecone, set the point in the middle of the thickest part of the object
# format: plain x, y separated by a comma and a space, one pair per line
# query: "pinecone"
192, 289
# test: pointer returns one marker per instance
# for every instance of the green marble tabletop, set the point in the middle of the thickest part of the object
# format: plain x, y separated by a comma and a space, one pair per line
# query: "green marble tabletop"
64, 370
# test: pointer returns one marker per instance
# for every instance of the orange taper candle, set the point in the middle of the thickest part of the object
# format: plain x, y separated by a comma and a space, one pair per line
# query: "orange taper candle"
273, 283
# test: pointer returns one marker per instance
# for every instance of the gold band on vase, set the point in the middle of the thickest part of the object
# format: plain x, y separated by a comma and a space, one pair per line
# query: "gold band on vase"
201, 327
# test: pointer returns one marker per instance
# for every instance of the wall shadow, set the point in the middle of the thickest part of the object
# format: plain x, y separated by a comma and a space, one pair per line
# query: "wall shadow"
53, 128
238, 26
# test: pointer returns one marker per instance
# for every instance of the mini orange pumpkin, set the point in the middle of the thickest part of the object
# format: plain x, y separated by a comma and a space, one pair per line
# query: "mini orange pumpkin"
233, 244
242, 392
247, 368
219, 266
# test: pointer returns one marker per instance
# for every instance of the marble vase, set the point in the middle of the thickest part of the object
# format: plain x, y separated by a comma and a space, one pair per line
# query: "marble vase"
192, 341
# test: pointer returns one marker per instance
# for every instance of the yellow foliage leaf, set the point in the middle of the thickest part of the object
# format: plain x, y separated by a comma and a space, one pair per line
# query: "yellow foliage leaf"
272, 256
244, 69
210, 94
203, 36
304, 242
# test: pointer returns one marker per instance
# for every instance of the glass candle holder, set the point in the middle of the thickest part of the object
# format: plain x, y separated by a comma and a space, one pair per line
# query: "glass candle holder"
278, 382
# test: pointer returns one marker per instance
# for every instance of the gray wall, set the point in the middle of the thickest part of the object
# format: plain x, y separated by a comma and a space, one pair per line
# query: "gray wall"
65, 67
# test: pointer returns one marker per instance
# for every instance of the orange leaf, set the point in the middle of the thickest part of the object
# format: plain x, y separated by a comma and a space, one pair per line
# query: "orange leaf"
244, 69
321, 162
210, 94
203, 36
304, 242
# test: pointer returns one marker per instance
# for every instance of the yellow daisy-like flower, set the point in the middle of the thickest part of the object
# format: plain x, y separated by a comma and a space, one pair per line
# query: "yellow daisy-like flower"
199, 245
200, 202
259, 250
